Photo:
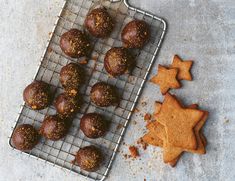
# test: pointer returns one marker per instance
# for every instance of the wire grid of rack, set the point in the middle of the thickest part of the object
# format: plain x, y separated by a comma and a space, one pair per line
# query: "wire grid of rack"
61, 153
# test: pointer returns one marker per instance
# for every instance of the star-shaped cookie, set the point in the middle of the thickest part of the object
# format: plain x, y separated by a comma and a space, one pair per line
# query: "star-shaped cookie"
170, 153
157, 137
184, 68
166, 79
179, 123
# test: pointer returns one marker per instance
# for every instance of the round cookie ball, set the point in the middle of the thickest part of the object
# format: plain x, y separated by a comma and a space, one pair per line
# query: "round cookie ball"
37, 95
67, 106
99, 23
75, 43
103, 94
118, 61
89, 158
71, 77
54, 128
25, 137
93, 125
135, 34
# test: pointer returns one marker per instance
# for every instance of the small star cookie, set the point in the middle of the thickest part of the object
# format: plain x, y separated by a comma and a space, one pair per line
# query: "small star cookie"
166, 79
184, 68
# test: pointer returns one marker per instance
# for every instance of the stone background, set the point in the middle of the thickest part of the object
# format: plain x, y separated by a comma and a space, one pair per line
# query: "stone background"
201, 30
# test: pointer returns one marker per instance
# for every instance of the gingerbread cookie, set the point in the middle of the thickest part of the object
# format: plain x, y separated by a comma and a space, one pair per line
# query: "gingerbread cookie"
166, 79
184, 68
179, 123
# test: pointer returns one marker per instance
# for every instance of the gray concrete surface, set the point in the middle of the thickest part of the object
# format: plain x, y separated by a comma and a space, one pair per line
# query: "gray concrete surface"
201, 30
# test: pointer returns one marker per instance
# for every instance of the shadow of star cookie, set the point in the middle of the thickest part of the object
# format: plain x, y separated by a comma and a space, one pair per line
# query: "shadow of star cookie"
179, 123
184, 68
166, 79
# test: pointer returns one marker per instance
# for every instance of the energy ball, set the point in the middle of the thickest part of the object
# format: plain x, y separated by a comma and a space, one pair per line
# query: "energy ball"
67, 106
25, 137
89, 158
93, 125
118, 61
99, 23
135, 34
75, 43
54, 128
103, 95
71, 77
37, 95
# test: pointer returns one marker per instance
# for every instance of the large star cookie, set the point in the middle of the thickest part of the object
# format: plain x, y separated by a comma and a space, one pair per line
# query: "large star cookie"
157, 137
179, 123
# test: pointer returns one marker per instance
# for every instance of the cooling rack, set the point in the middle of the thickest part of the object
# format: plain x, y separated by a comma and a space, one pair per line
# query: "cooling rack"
61, 153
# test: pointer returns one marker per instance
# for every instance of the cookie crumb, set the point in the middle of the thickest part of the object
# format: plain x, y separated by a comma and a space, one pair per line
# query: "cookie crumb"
95, 58
49, 49
142, 143
126, 156
73, 162
83, 62
119, 126
134, 122
136, 110
133, 151
147, 117
143, 103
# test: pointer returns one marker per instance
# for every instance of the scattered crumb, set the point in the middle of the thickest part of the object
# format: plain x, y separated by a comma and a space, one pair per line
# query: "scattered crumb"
95, 57
226, 121
50, 49
119, 126
142, 143
131, 78
147, 117
110, 76
73, 162
143, 103
136, 110
83, 62
50, 33
133, 151
134, 122
126, 156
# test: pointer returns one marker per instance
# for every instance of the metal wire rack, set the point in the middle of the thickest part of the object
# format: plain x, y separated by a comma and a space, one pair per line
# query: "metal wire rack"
61, 153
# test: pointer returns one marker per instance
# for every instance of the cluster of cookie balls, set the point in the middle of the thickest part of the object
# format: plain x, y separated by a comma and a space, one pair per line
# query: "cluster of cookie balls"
75, 43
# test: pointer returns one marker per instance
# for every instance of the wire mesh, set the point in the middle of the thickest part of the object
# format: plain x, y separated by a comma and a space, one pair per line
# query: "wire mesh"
61, 153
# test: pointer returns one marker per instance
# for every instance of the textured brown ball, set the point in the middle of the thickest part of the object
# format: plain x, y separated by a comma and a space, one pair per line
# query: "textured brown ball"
118, 61
75, 43
136, 34
71, 77
25, 137
103, 94
54, 128
99, 23
67, 106
89, 158
37, 95
93, 125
